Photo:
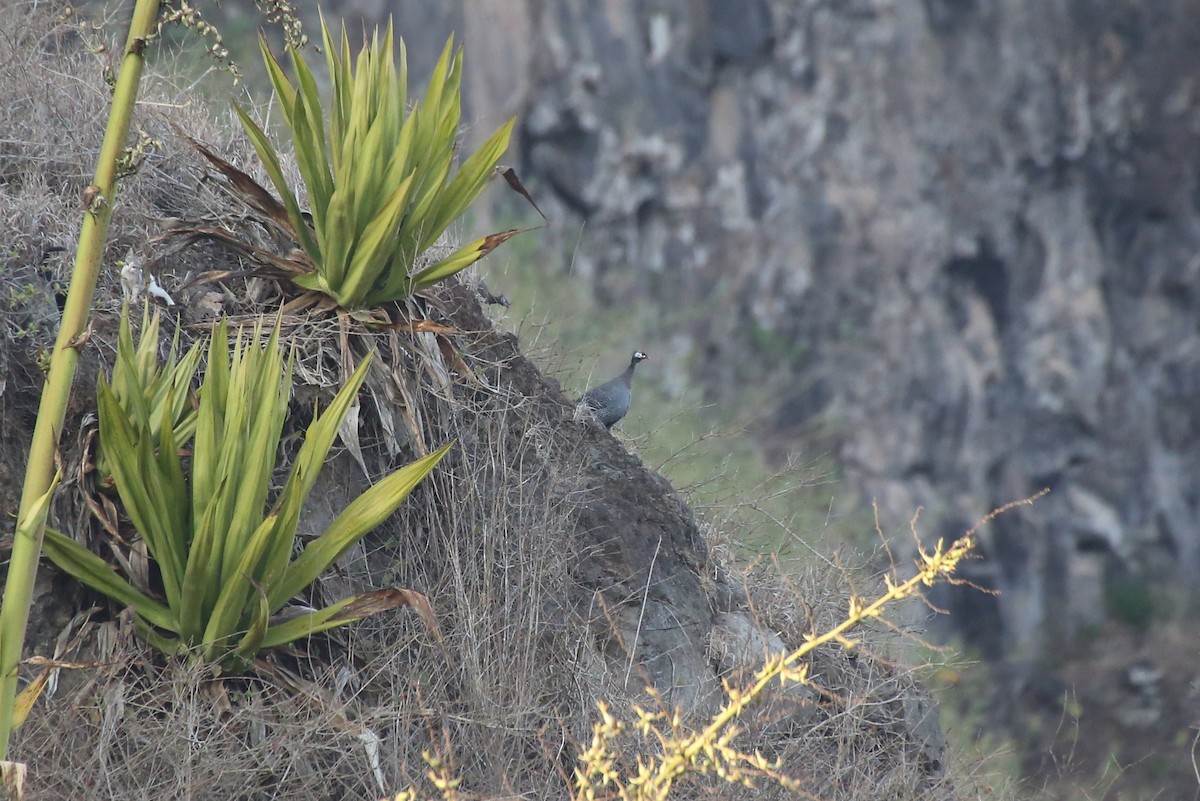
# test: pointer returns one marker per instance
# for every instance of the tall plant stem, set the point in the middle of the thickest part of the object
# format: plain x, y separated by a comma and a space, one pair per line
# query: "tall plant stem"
39, 474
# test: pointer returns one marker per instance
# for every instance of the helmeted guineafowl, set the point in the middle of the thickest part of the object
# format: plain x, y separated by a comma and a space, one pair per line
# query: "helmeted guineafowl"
609, 401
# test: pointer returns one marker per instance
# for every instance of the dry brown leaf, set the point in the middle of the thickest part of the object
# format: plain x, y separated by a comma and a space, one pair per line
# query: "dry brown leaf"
372, 603
309, 300
28, 697
255, 195
510, 177
370, 317
220, 698
105, 511
12, 780
276, 266
409, 411
47, 662
450, 354
423, 327
493, 241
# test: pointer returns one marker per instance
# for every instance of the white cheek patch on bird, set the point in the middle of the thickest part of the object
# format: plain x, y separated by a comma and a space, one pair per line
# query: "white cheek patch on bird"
609, 402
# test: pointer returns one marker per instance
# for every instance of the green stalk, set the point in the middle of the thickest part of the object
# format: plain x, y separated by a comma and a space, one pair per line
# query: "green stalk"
27, 545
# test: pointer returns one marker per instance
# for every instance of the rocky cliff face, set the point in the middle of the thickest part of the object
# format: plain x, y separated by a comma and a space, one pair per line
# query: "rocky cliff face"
961, 236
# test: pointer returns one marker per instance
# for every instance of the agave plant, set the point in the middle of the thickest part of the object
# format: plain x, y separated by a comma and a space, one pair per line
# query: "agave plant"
142, 386
378, 180
226, 559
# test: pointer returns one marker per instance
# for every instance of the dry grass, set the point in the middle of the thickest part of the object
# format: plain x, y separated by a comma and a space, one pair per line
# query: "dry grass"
507, 694
485, 538
145, 733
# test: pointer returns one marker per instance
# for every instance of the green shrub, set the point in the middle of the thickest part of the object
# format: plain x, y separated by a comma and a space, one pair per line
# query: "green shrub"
379, 179
226, 565
142, 386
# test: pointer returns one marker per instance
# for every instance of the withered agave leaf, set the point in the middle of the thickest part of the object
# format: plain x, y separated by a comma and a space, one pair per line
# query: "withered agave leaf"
272, 265
510, 177
350, 610
255, 195
462, 258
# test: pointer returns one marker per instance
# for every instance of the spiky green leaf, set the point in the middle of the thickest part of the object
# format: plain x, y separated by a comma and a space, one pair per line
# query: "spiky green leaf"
362, 515
86, 567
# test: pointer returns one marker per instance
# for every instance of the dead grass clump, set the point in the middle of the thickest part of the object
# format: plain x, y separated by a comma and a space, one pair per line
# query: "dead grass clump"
138, 731
488, 537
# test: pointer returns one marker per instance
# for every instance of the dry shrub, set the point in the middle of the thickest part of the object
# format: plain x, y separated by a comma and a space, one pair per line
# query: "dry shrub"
863, 729
867, 739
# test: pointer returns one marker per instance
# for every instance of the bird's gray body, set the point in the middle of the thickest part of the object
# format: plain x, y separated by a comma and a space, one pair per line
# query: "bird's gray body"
609, 401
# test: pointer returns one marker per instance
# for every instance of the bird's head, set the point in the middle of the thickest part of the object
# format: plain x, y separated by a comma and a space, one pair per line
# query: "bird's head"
638, 356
